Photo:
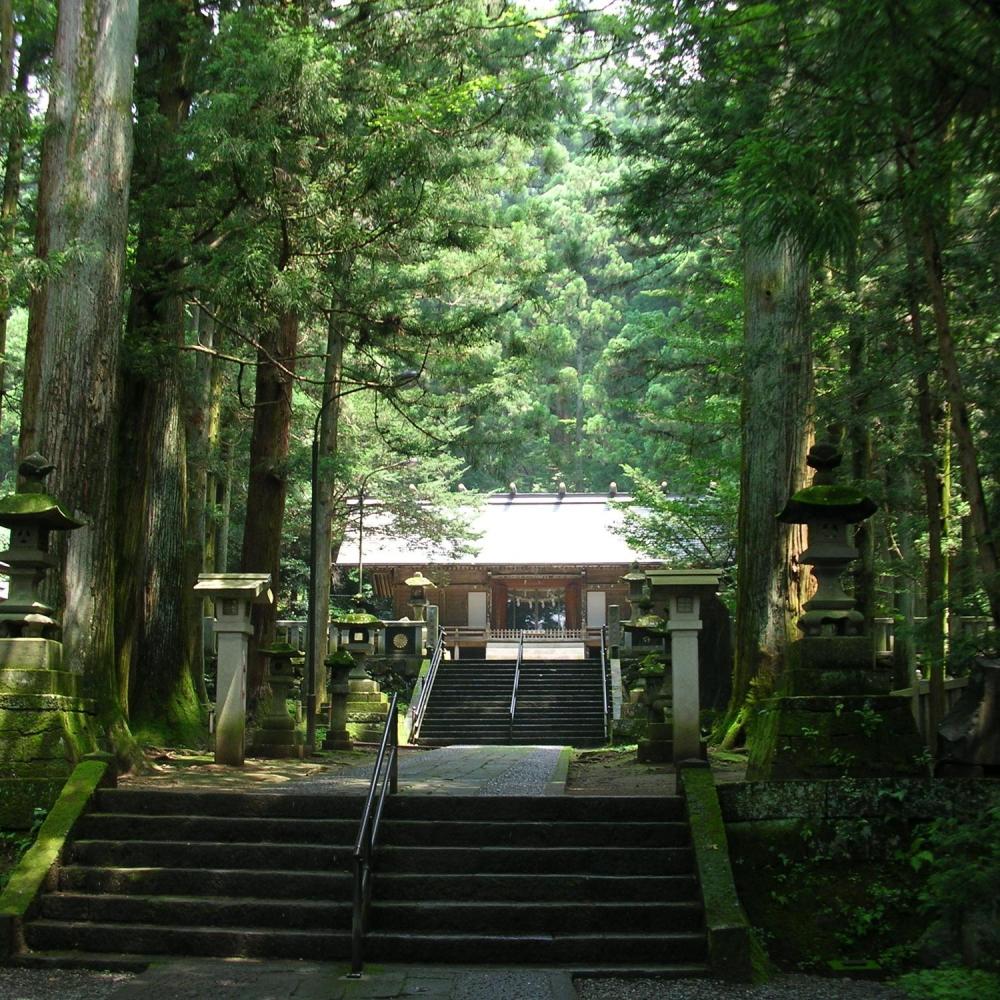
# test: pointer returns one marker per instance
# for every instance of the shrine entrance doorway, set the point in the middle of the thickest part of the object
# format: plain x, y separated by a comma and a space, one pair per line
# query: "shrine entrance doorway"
544, 605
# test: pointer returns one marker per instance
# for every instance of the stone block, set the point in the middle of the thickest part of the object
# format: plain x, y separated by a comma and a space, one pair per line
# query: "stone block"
29, 654
834, 652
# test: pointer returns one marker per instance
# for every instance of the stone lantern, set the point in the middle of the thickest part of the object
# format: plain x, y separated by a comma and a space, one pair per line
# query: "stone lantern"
234, 595
31, 515
418, 599
45, 724
366, 705
276, 736
828, 510
831, 715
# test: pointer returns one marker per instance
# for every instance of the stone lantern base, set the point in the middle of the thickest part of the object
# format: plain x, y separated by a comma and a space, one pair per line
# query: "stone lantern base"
834, 718
46, 727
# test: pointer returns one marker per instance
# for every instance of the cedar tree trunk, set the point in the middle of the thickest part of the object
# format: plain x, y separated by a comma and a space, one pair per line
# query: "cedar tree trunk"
70, 411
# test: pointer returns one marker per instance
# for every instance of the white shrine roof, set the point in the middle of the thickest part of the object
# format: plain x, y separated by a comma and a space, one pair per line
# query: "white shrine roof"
531, 528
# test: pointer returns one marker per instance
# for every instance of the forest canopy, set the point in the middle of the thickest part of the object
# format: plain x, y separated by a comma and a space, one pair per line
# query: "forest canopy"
439, 242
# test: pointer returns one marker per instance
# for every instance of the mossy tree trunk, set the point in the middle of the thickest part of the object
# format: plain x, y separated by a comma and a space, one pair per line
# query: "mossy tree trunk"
268, 482
71, 400
158, 631
776, 419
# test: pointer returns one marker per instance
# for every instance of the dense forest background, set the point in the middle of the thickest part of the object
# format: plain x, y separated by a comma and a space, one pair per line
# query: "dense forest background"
456, 242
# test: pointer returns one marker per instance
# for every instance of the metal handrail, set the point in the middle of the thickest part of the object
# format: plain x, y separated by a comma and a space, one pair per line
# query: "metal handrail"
604, 679
425, 691
517, 680
364, 846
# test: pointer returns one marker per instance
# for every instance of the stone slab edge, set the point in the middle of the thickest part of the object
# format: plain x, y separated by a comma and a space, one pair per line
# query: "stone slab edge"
30, 875
556, 785
730, 943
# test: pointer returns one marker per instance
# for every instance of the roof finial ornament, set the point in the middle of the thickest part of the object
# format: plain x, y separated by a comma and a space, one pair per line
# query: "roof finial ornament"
33, 470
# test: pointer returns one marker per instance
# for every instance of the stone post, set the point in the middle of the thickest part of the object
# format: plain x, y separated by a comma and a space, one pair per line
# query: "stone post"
234, 595
683, 626
614, 631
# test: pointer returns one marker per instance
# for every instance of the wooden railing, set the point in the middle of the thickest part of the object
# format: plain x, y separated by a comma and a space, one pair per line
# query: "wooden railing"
919, 695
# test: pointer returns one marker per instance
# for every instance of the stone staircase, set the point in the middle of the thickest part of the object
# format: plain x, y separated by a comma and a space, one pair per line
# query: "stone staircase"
578, 881
469, 703
559, 701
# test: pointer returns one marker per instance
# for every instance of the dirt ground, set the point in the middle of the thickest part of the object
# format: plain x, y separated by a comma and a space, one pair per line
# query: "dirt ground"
591, 772
618, 772
190, 769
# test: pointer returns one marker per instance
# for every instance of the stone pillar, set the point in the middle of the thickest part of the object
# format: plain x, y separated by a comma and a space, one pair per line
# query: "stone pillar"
683, 626
234, 595
614, 631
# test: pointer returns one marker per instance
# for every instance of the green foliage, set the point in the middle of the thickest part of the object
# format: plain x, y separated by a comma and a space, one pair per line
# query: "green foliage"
14, 844
960, 859
951, 983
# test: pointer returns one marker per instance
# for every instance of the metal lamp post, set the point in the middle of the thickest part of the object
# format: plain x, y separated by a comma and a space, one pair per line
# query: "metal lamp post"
362, 487
404, 378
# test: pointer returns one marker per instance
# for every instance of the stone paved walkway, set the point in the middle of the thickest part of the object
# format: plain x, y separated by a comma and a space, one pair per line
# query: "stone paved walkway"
220, 979
453, 770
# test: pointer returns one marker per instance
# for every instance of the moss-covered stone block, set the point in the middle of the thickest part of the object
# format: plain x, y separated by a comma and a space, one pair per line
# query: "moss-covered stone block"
833, 736
29, 654
730, 943
27, 880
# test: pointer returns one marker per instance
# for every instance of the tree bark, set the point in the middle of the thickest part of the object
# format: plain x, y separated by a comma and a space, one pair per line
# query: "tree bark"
268, 483
70, 410
776, 418
327, 452
159, 631
968, 461
14, 94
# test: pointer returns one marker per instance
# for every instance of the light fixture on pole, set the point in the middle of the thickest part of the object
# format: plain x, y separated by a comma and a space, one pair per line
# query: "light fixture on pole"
399, 381
362, 486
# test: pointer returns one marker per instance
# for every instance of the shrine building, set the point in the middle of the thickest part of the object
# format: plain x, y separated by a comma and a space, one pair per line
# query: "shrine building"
545, 564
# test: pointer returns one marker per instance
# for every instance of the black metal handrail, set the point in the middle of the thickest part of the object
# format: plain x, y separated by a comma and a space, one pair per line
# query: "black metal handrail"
517, 680
604, 680
425, 691
364, 846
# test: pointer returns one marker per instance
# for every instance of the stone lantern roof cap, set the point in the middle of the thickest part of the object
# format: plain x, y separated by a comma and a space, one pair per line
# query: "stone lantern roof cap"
845, 503
648, 623
357, 618
20, 509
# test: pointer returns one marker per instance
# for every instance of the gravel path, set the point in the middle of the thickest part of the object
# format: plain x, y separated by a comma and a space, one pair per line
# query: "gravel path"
785, 987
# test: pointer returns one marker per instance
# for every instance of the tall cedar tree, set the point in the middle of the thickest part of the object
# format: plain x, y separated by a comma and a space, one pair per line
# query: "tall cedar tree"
70, 409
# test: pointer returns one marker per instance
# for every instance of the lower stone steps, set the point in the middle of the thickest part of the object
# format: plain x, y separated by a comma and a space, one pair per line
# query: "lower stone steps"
571, 881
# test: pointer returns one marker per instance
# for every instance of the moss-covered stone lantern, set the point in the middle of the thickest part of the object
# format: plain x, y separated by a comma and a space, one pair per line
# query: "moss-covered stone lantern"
828, 510
367, 707
831, 714
31, 515
276, 736
45, 724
